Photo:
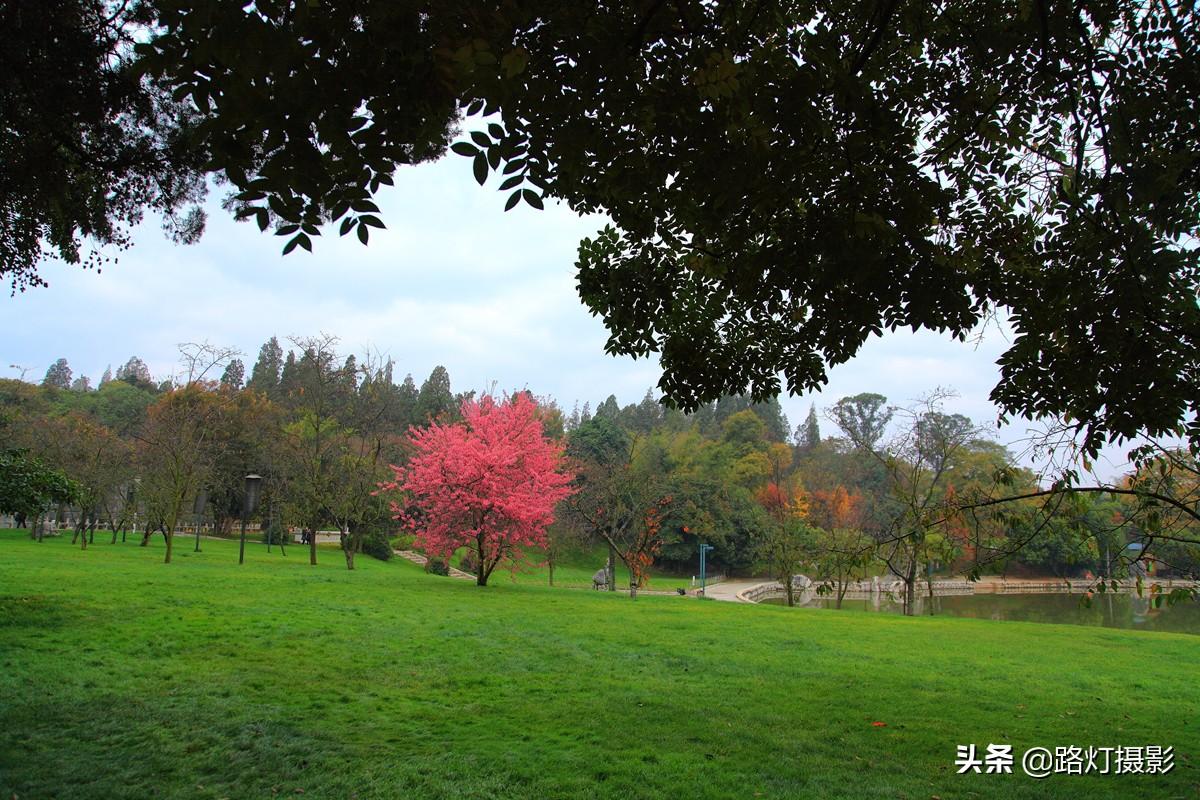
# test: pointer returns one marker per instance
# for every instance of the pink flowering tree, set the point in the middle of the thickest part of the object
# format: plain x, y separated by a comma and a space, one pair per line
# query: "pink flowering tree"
489, 483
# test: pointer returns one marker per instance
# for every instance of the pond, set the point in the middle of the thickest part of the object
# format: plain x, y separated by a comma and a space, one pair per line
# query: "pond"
1110, 610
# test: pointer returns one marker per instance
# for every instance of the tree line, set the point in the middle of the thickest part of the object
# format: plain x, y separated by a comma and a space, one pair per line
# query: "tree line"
907, 492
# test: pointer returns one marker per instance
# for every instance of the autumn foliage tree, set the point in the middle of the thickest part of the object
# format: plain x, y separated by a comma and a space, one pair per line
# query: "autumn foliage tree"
489, 483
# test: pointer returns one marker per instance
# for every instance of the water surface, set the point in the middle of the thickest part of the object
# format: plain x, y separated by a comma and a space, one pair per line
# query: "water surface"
1110, 610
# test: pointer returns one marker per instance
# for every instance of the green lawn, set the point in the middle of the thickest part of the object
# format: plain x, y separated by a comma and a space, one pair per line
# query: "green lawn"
123, 677
575, 569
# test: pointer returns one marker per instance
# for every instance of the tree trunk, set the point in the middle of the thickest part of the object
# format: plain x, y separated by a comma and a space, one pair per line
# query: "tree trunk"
612, 567
791, 591
484, 570
550, 564
347, 547
170, 537
312, 546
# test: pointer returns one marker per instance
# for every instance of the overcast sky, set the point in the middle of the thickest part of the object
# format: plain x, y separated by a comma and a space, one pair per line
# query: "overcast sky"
454, 281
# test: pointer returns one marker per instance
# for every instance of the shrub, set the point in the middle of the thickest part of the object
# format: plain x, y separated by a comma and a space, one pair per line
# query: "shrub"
376, 544
438, 566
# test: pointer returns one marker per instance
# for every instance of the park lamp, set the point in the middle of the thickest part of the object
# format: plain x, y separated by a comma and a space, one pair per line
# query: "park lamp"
249, 504
250, 500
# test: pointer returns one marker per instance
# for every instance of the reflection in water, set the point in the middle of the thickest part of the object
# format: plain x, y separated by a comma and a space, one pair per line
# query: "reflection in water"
1109, 610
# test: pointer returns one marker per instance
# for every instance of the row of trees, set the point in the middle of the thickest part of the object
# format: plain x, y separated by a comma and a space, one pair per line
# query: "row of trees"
321, 430
911, 492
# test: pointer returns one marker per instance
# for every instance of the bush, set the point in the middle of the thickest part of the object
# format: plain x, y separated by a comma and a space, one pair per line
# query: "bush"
469, 562
438, 566
403, 542
275, 534
376, 544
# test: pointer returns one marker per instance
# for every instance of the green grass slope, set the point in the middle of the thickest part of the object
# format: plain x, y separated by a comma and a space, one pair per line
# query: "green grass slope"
121, 677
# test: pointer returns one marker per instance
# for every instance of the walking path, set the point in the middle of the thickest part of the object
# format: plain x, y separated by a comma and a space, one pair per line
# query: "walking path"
420, 560
731, 591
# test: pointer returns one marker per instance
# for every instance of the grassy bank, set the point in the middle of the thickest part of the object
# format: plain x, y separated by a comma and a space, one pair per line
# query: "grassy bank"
126, 678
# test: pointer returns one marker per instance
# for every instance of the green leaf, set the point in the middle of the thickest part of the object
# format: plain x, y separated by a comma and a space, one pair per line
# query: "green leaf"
496, 131
513, 199
347, 224
363, 233
532, 198
515, 180
464, 148
481, 169
480, 138
373, 221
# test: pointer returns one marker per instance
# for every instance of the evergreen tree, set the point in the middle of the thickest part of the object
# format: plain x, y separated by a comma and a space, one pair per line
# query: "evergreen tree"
609, 409
808, 435
81, 384
289, 376
406, 405
435, 397
58, 376
771, 413
136, 373
349, 373
265, 376
234, 374
586, 414
106, 377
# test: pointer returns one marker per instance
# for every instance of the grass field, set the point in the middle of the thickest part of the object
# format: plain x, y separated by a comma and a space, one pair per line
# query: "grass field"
126, 678
575, 568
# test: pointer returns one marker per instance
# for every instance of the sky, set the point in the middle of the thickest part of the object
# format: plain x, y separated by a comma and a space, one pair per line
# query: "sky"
454, 281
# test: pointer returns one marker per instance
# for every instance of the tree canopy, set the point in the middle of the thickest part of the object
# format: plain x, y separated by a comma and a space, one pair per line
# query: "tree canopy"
784, 179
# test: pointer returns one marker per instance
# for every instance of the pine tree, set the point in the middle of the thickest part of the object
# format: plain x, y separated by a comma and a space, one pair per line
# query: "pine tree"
609, 409
106, 377
436, 397
265, 376
136, 373
234, 374
289, 376
808, 435
407, 403
58, 376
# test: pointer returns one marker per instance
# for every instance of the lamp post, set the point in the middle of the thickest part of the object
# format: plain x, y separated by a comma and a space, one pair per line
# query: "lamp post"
198, 514
133, 487
704, 548
249, 504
